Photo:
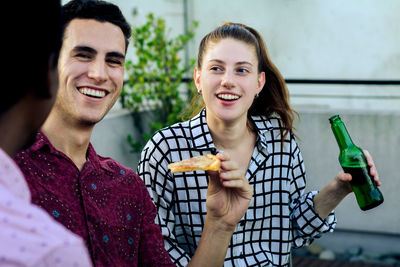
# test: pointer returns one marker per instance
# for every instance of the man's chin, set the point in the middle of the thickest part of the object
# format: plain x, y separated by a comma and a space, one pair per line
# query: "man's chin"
89, 122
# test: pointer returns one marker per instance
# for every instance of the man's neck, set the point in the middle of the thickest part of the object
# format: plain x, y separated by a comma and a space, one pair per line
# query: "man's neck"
72, 140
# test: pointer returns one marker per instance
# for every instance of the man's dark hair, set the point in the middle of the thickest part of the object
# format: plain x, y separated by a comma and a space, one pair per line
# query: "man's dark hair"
101, 11
26, 53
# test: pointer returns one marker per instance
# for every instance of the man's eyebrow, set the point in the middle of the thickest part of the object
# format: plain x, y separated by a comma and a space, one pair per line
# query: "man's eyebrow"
88, 49
115, 55
84, 49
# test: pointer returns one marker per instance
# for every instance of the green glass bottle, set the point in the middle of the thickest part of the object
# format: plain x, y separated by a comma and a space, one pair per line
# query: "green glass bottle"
353, 161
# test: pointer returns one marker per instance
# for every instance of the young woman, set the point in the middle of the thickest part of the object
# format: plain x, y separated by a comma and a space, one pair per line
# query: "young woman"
248, 119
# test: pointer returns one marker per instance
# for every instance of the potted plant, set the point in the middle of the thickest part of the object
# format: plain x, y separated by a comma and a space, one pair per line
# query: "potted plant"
154, 85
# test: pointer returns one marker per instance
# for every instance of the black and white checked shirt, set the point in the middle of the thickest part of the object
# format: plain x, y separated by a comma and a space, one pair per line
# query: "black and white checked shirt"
280, 215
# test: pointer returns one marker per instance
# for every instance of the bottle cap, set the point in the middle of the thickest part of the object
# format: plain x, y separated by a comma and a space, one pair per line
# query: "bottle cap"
334, 118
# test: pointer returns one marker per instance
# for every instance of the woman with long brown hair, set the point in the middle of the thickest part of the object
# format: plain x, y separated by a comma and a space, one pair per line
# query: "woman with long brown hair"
247, 121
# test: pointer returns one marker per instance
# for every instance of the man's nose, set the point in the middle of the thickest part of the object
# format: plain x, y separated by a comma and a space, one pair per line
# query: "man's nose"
98, 70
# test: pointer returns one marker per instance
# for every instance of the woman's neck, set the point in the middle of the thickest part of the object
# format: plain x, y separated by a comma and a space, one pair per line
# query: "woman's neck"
228, 136
236, 139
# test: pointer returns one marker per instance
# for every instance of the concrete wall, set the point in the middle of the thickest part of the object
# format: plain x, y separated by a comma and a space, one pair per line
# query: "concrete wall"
377, 231
306, 39
379, 133
355, 39
110, 137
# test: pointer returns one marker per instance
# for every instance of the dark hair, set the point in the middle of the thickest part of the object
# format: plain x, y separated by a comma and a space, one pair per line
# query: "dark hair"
26, 54
101, 11
274, 97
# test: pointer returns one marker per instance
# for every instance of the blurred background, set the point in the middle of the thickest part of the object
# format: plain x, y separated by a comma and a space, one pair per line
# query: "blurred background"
338, 57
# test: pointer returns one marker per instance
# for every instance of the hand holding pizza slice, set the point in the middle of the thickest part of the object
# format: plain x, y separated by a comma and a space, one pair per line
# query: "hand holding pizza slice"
207, 162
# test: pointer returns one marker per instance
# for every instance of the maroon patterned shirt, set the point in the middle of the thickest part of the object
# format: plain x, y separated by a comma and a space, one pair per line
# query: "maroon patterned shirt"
106, 204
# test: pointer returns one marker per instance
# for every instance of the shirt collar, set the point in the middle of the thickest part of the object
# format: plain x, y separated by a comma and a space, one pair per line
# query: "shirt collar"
43, 142
95, 159
264, 129
201, 138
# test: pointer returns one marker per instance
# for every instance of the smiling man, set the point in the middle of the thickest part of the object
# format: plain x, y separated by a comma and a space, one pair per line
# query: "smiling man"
95, 197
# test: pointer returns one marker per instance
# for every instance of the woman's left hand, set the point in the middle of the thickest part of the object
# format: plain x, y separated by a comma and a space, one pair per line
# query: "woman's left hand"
344, 178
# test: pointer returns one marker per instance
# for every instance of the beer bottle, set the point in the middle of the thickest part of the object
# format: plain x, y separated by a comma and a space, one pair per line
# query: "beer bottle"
353, 161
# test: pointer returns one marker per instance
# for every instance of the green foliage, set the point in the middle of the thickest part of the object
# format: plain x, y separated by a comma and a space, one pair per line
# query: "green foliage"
155, 76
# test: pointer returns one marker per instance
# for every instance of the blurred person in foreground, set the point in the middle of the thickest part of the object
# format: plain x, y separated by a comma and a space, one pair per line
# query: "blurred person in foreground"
247, 121
29, 236
96, 197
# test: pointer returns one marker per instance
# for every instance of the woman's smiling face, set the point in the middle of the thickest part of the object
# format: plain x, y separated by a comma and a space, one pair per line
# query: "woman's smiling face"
229, 79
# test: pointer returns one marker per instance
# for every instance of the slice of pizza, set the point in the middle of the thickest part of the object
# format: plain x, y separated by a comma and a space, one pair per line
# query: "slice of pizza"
207, 162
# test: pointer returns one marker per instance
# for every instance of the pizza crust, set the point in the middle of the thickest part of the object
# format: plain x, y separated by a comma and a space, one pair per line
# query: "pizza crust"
207, 162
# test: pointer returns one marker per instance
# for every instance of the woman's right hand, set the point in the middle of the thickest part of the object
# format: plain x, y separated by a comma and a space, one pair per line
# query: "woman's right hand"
229, 193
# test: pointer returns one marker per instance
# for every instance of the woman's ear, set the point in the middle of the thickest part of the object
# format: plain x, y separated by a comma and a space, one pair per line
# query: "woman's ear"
196, 78
261, 82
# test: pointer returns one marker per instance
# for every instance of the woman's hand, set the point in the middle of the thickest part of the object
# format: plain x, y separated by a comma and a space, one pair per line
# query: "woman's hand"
343, 179
332, 194
228, 197
229, 193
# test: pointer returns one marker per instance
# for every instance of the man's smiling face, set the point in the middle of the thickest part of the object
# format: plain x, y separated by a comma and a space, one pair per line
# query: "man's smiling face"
91, 70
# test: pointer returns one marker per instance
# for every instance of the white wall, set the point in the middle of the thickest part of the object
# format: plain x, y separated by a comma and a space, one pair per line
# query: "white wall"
307, 39
379, 133
353, 39
322, 39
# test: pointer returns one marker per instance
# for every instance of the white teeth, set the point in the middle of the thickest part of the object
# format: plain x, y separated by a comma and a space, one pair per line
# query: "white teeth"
92, 92
228, 96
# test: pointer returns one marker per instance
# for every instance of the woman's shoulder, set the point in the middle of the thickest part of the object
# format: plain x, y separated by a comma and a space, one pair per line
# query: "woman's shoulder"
270, 122
178, 130
165, 139
173, 131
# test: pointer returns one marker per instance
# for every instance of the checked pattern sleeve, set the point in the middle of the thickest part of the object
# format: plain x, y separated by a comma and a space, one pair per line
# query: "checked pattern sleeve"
306, 222
153, 170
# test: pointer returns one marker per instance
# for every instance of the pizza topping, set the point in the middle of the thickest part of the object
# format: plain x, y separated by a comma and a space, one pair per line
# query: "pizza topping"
205, 162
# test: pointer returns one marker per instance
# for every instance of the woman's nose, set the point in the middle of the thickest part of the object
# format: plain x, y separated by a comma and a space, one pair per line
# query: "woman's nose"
227, 80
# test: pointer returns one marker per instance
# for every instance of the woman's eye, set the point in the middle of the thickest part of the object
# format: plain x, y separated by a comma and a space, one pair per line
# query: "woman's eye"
243, 70
215, 68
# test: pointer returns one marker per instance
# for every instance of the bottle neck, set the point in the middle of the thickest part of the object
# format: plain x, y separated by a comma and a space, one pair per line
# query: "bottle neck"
342, 136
